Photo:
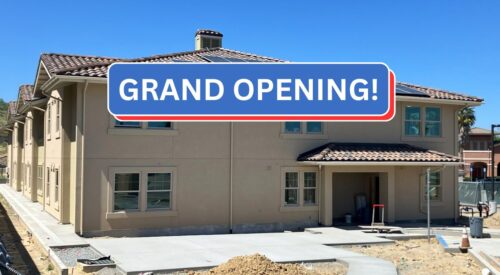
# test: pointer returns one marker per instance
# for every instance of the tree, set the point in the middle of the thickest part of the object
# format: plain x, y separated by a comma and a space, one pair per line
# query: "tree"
466, 119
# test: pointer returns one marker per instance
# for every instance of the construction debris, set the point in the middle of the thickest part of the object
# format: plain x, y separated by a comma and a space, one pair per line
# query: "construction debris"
259, 264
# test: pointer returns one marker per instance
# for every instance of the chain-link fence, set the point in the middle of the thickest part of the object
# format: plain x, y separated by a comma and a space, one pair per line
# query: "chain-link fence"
472, 192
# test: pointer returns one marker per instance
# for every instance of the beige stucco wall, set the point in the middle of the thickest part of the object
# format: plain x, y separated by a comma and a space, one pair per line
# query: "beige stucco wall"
200, 153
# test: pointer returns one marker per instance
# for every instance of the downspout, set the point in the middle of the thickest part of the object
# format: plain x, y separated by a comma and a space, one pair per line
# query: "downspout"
319, 194
231, 125
82, 155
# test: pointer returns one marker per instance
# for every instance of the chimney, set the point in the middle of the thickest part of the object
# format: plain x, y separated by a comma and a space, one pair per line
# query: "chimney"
206, 39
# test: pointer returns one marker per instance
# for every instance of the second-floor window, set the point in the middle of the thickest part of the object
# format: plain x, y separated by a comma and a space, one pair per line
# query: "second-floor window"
58, 115
298, 127
415, 121
49, 116
146, 125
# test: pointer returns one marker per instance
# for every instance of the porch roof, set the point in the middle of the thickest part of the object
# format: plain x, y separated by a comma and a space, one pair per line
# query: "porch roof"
376, 153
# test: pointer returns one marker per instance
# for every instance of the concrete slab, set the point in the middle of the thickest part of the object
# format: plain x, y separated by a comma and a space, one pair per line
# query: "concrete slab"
174, 253
139, 254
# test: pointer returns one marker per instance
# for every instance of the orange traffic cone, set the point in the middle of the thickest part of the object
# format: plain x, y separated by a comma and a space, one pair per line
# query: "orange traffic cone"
465, 244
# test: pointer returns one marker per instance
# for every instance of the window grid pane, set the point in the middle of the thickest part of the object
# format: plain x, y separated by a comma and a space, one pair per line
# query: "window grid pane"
412, 121
292, 180
292, 196
127, 124
160, 125
292, 127
158, 200
314, 127
126, 201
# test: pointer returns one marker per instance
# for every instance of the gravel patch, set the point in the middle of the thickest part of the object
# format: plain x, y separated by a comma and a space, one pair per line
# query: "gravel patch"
69, 255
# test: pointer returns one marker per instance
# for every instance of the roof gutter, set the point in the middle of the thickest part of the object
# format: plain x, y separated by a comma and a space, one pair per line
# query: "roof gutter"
382, 163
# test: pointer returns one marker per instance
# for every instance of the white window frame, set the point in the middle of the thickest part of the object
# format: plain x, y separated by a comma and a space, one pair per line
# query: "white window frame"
303, 134
143, 211
142, 130
58, 118
301, 205
49, 120
423, 110
57, 187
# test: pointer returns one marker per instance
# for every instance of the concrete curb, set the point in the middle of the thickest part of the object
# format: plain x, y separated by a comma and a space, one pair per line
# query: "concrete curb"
483, 262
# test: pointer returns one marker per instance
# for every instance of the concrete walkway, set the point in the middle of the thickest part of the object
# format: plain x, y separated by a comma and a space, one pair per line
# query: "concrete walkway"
45, 228
177, 253
171, 253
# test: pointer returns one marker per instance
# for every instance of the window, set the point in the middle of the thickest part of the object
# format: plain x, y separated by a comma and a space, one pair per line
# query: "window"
56, 188
47, 187
160, 125
39, 179
143, 125
412, 121
127, 124
126, 192
159, 190
310, 188
291, 188
58, 115
300, 187
297, 127
49, 115
142, 189
432, 122
435, 187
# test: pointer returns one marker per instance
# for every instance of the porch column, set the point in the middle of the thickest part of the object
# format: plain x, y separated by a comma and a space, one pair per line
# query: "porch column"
326, 197
391, 195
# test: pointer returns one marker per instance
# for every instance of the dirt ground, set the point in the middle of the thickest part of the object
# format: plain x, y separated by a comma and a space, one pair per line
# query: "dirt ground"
419, 257
492, 221
27, 256
259, 264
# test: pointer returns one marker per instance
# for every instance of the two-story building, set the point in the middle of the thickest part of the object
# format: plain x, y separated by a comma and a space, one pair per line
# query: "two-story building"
107, 177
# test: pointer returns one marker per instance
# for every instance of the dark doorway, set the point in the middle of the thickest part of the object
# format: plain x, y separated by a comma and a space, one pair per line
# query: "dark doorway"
478, 171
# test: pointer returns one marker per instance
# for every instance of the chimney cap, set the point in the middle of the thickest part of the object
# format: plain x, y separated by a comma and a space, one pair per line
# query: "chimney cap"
208, 32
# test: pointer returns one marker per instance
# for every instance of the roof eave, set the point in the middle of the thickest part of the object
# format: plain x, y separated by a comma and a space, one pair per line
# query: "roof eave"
439, 100
383, 163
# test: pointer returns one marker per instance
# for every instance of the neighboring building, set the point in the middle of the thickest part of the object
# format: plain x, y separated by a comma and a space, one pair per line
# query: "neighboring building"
106, 177
477, 155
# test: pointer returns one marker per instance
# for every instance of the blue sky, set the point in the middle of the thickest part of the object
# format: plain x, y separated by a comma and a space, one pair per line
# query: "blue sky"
453, 45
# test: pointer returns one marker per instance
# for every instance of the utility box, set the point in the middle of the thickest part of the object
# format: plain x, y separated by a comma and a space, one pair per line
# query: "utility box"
476, 227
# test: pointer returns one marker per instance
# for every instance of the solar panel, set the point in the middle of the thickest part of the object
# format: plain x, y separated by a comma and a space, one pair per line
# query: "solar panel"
212, 58
403, 90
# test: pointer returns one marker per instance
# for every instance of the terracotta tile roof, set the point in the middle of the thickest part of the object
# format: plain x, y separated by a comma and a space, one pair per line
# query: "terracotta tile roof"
376, 152
441, 94
93, 66
26, 92
12, 108
96, 66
